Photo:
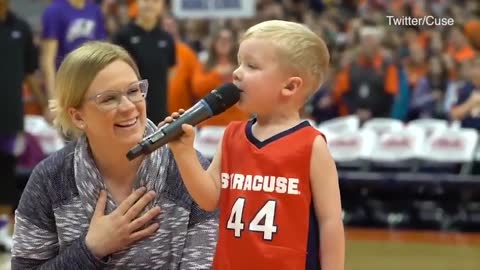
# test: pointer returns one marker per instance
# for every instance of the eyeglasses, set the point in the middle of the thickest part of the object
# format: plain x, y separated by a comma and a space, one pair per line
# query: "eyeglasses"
111, 99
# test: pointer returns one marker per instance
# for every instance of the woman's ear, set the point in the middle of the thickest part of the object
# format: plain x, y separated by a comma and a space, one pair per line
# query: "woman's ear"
77, 118
292, 86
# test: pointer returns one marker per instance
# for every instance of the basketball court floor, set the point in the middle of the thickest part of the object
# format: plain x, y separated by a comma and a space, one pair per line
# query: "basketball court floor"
395, 250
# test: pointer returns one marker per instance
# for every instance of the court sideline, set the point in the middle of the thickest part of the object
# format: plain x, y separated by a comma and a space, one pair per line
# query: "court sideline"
394, 250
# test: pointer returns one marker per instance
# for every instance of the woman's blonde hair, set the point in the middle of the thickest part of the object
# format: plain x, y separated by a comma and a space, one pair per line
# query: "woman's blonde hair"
299, 48
76, 73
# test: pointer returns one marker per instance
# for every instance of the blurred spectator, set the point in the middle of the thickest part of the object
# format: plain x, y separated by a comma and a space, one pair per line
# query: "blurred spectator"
416, 64
472, 31
154, 52
322, 106
180, 92
428, 94
458, 82
132, 8
270, 10
111, 12
436, 44
367, 85
66, 25
467, 107
217, 70
196, 33
401, 103
19, 61
459, 48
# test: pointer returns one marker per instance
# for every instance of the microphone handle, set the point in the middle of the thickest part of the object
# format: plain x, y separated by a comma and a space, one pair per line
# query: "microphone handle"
196, 114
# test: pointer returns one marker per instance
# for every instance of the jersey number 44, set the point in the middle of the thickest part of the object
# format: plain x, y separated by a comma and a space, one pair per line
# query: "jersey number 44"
263, 222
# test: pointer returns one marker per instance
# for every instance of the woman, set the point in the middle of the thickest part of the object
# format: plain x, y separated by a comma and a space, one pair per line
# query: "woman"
217, 70
100, 100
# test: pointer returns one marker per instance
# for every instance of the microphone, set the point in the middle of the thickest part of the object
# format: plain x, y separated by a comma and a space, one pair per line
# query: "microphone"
214, 103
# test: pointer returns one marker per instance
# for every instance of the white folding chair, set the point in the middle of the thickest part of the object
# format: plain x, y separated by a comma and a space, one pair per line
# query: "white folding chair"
382, 125
207, 140
455, 124
48, 137
350, 149
350, 123
399, 145
452, 147
430, 125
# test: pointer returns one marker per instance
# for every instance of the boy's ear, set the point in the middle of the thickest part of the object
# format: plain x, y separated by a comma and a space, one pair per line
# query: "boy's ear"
292, 85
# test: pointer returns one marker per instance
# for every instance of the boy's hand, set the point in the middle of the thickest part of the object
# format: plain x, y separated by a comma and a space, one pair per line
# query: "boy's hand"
171, 118
185, 142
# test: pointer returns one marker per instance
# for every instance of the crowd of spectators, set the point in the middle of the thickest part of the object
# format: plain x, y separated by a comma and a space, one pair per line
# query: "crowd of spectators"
378, 69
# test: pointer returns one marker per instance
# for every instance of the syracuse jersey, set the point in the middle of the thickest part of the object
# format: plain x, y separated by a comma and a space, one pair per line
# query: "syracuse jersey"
267, 218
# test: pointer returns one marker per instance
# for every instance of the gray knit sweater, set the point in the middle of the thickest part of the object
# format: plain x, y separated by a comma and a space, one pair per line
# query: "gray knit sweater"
51, 224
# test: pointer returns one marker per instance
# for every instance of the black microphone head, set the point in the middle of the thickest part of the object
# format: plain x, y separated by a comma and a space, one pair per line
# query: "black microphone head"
223, 98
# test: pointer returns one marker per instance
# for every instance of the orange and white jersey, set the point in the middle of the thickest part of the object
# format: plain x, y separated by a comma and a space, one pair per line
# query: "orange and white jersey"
267, 218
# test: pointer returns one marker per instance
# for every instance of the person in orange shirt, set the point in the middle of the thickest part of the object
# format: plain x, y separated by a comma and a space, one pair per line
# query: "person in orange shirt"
416, 64
472, 31
217, 70
180, 92
459, 48
132, 8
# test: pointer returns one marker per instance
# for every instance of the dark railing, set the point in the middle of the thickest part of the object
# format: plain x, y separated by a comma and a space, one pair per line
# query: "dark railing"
439, 201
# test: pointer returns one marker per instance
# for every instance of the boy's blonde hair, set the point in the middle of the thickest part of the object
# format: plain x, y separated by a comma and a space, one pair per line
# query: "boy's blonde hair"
75, 75
299, 48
